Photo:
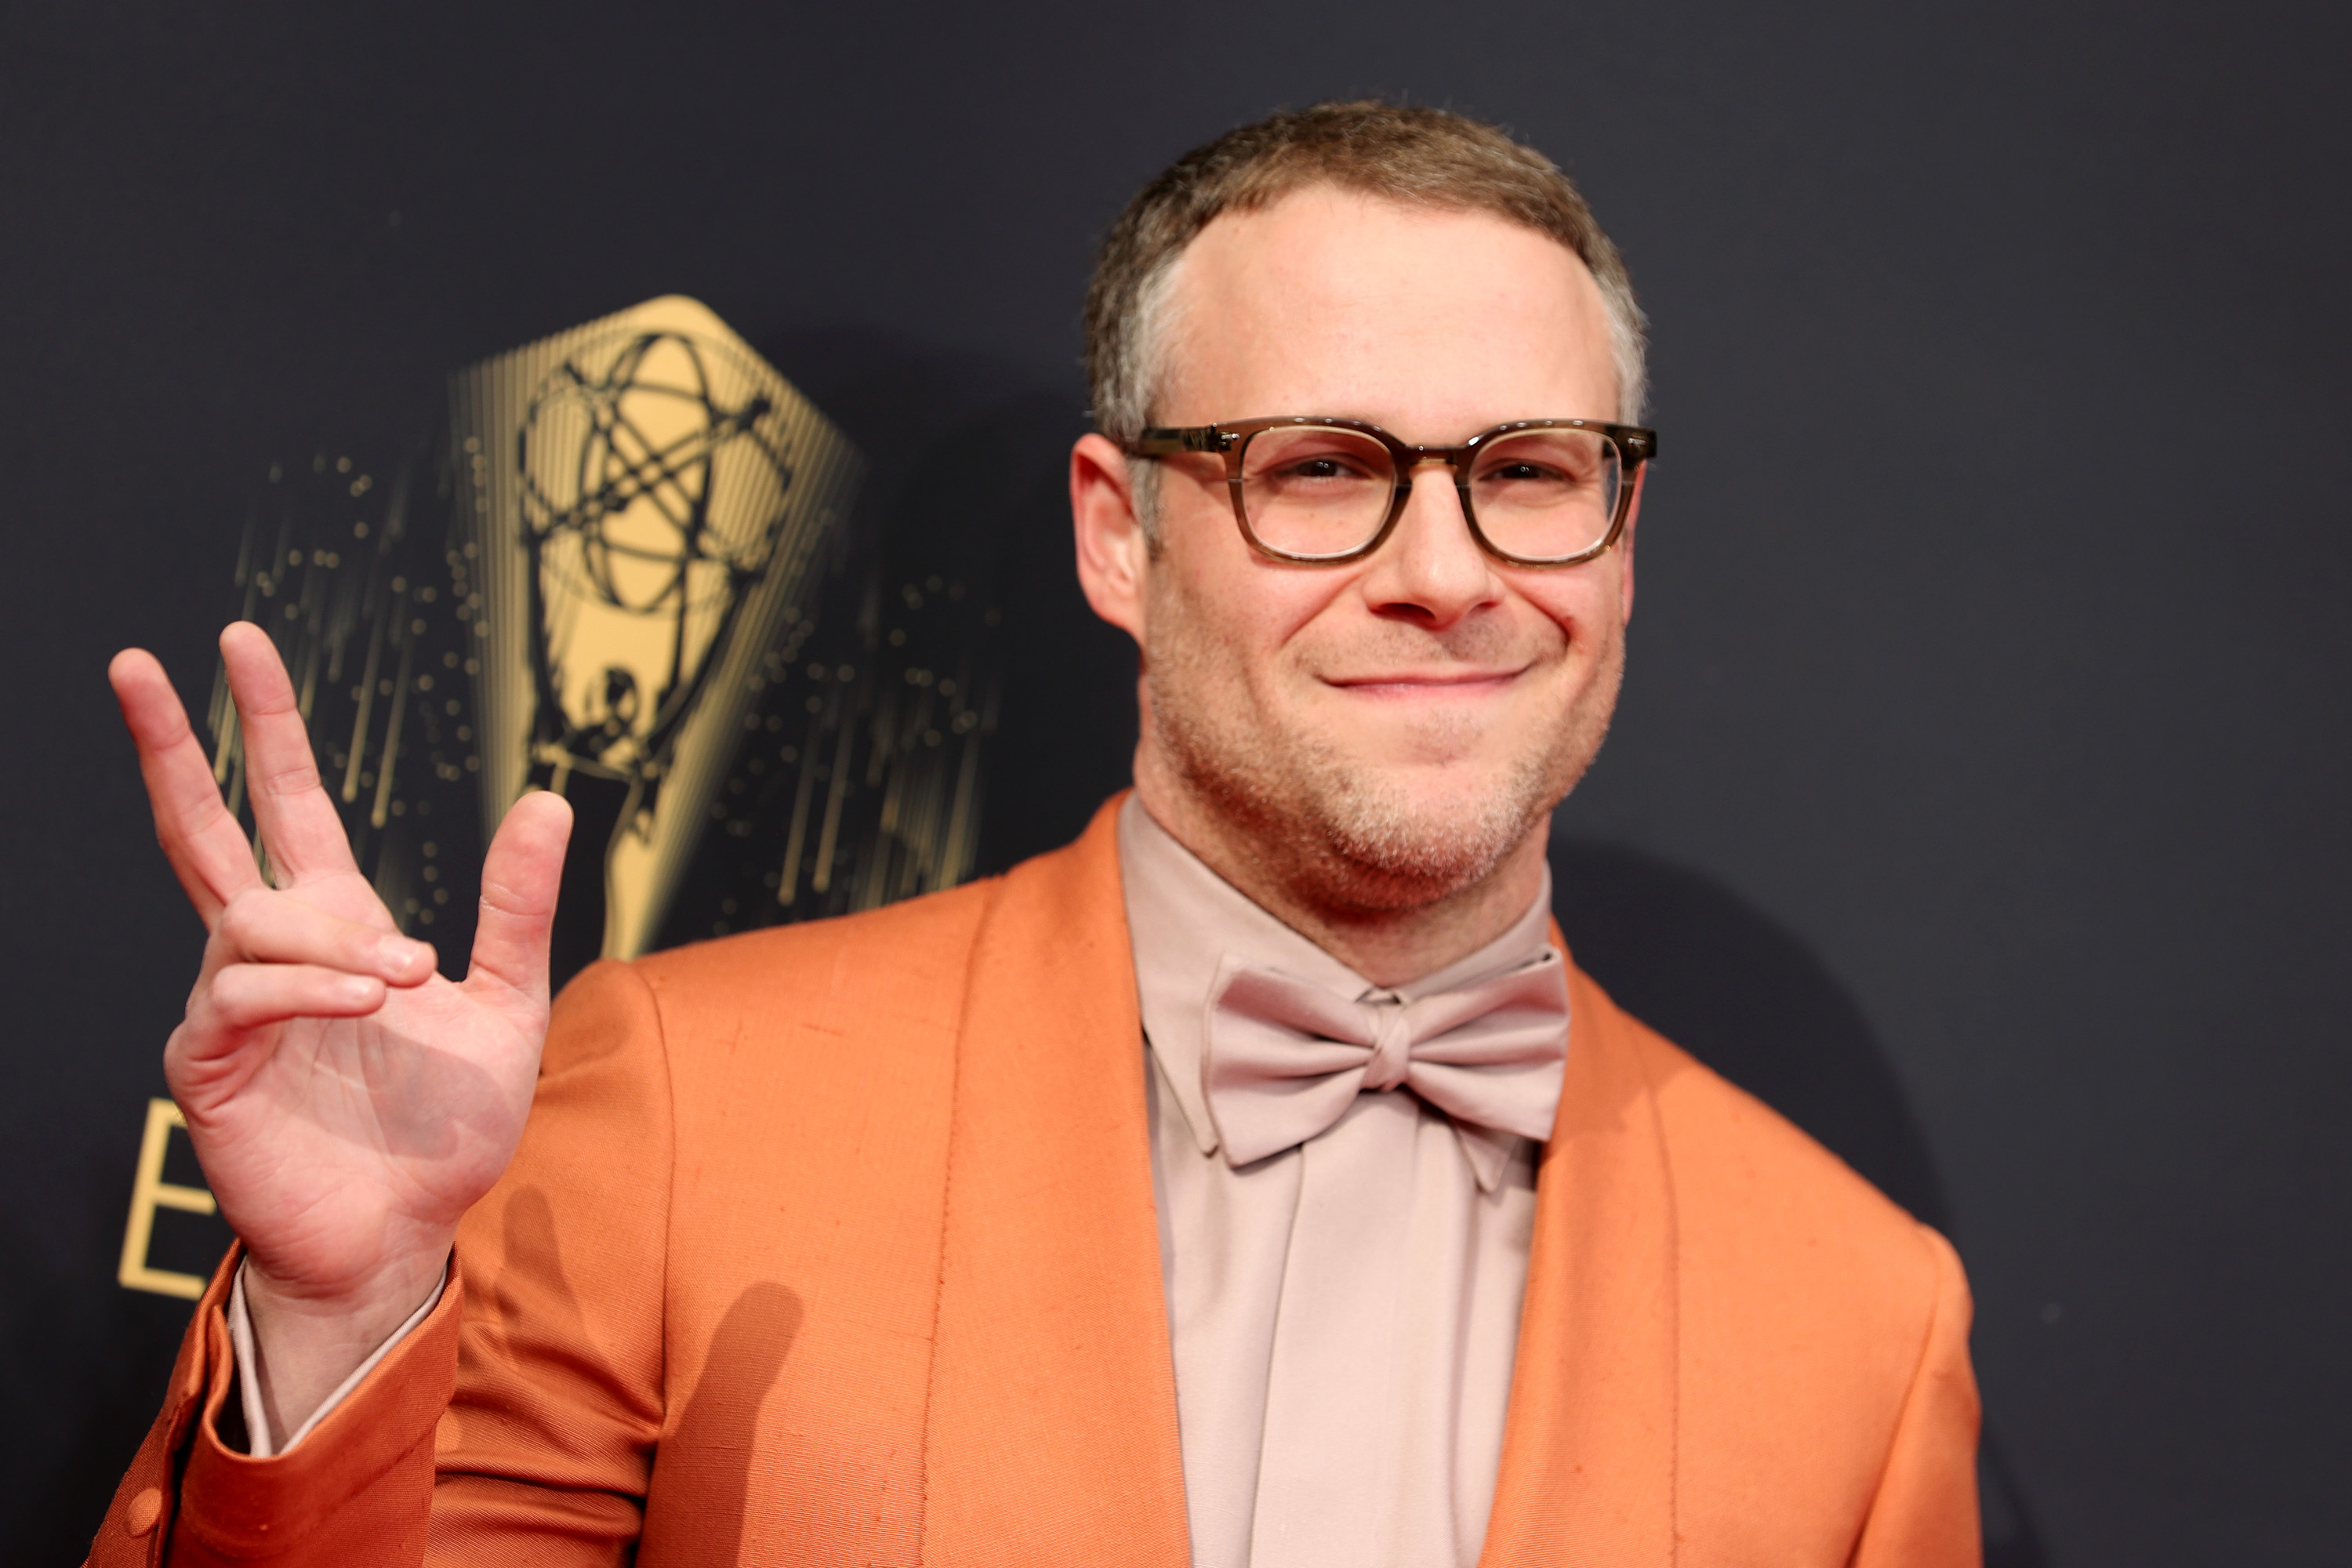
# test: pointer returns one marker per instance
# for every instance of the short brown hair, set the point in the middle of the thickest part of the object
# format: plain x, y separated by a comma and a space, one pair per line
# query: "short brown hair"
1424, 157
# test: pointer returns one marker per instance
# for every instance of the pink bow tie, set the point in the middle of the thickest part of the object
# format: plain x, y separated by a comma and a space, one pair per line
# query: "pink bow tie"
1286, 1057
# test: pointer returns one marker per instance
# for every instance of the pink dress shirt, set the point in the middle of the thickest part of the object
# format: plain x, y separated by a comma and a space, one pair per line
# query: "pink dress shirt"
1343, 1314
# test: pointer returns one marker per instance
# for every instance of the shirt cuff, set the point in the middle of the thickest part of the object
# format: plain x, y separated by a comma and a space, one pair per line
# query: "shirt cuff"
240, 1336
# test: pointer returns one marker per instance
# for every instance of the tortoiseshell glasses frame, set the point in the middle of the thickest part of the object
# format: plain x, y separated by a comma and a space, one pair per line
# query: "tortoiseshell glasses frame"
1231, 439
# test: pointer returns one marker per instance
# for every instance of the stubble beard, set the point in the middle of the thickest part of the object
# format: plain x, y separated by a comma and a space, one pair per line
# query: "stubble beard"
1338, 835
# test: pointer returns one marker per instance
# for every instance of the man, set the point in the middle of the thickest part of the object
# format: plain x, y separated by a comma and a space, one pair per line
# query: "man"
1252, 1182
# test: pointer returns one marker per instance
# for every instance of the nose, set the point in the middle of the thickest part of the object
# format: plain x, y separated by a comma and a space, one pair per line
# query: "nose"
1430, 570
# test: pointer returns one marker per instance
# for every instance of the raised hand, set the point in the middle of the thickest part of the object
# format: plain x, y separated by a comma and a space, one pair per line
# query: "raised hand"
349, 1103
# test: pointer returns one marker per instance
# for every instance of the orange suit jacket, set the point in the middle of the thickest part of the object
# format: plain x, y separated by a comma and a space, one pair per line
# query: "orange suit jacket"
835, 1244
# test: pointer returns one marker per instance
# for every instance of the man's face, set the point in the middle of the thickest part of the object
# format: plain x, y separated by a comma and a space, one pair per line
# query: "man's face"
1384, 731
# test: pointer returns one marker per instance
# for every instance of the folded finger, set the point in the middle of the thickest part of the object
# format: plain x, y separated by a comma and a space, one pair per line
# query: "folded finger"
207, 849
262, 924
298, 824
244, 996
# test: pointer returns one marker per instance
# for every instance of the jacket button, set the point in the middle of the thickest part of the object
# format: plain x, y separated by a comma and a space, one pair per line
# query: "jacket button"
144, 1510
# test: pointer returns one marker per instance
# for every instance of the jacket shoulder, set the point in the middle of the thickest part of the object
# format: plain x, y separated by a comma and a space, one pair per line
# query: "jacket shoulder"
905, 963
1731, 1147
1750, 1184
1807, 1301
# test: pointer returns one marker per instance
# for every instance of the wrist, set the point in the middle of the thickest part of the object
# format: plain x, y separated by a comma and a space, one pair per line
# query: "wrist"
379, 1297
307, 1343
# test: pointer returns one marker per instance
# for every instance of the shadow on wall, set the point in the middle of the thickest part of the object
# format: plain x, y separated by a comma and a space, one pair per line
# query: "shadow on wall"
1722, 980
971, 464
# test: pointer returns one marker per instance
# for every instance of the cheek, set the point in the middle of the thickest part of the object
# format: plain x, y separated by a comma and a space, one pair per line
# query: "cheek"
1583, 616
1232, 607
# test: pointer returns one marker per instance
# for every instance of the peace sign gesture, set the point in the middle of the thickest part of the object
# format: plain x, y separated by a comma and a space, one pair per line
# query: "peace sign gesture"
348, 1102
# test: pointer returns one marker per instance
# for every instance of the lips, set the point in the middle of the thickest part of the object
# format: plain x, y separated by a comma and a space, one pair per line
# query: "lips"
1431, 682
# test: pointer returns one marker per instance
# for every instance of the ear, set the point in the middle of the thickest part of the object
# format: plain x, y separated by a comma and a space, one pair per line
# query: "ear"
1113, 557
1623, 548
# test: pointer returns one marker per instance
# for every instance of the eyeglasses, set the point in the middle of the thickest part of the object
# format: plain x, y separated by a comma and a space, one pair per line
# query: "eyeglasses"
1537, 492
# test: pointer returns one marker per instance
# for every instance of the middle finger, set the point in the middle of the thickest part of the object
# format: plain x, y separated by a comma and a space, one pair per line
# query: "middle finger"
298, 824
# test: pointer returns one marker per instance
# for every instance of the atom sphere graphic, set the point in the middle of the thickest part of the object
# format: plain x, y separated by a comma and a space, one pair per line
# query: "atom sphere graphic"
619, 461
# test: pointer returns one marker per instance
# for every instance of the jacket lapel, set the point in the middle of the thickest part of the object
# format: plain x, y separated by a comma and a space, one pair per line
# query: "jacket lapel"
1588, 1469
1052, 1424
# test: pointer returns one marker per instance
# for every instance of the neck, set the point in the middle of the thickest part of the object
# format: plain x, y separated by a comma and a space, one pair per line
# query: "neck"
1388, 946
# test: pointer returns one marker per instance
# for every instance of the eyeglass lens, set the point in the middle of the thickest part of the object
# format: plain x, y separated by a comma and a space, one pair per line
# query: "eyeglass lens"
1315, 490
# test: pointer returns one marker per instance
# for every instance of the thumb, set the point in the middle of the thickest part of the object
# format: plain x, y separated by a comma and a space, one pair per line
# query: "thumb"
519, 879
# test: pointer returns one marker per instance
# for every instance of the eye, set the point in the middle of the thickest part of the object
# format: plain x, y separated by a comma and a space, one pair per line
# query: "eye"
1520, 468
1325, 467
1315, 460
1317, 468
1520, 471
1550, 462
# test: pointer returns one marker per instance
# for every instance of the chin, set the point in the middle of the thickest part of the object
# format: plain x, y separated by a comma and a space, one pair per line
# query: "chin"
1443, 793
1401, 837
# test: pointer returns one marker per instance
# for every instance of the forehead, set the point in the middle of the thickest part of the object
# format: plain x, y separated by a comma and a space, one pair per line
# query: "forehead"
1434, 322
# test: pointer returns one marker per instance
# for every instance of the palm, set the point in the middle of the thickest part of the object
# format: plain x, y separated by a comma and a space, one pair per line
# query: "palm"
348, 1106
348, 1133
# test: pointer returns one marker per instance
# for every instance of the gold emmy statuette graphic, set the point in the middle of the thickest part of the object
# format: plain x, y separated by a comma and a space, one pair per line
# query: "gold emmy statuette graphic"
645, 497
626, 574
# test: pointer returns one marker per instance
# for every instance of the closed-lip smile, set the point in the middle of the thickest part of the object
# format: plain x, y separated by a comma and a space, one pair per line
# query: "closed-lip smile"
1413, 682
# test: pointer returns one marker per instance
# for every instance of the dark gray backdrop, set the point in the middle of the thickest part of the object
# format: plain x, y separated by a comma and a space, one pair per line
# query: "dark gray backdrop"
1979, 792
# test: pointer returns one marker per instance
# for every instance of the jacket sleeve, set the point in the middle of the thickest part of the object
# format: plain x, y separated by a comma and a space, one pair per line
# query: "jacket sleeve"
517, 1424
1925, 1513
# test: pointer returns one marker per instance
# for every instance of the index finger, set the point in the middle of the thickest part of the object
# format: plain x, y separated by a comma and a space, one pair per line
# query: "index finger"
207, 849
298, 824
